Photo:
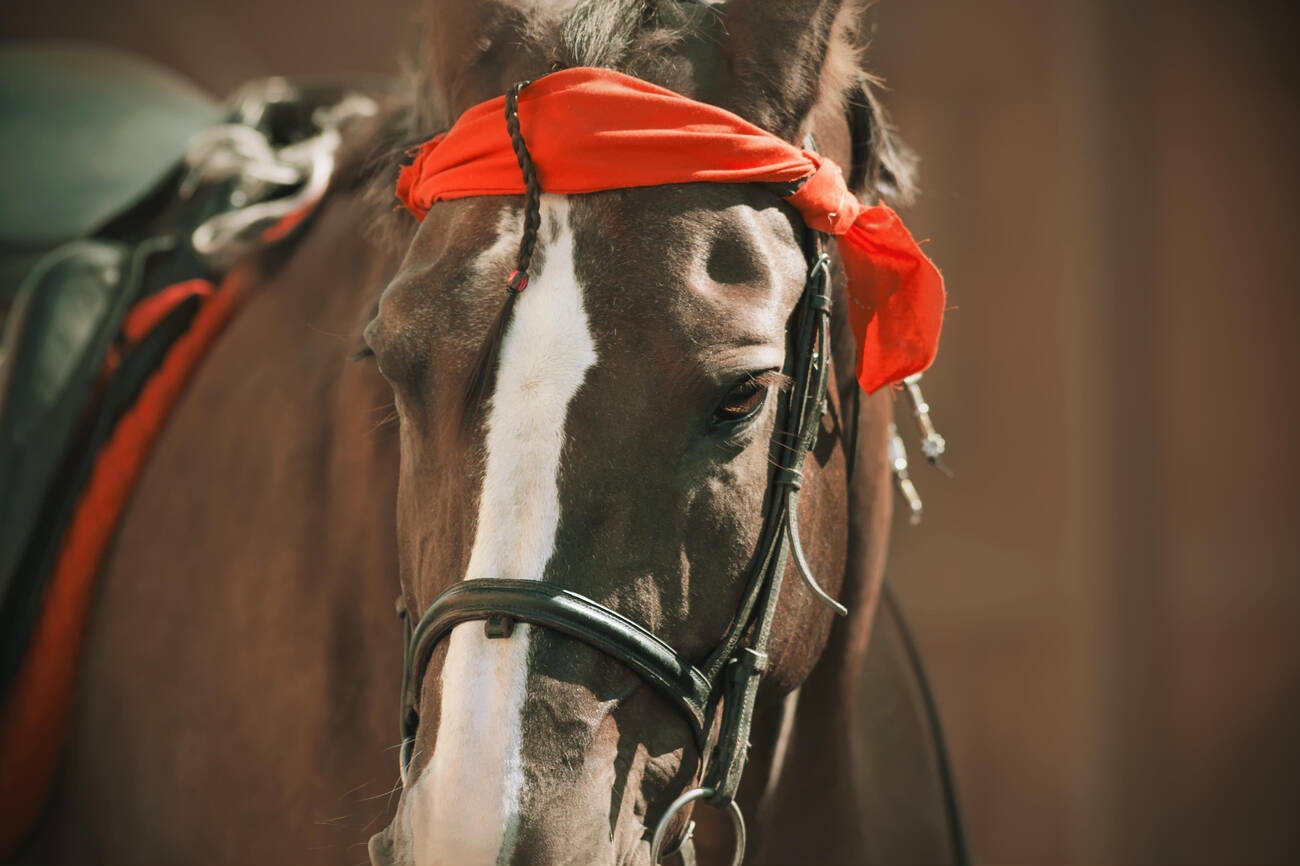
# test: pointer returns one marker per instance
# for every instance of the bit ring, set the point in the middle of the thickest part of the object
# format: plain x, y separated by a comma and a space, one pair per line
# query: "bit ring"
733, 809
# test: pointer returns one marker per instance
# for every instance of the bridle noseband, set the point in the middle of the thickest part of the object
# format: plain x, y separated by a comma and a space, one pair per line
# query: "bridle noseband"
727, 681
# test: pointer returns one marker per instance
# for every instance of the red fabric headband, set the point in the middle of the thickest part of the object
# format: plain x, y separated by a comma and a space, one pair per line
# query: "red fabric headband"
595, 129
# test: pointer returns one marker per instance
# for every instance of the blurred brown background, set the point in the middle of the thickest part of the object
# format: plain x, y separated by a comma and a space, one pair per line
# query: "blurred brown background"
1107, 595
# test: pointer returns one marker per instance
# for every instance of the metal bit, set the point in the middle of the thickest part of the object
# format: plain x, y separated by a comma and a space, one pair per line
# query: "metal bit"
898, 460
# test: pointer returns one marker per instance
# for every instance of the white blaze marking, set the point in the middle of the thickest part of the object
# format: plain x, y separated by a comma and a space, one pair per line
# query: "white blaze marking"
466, 798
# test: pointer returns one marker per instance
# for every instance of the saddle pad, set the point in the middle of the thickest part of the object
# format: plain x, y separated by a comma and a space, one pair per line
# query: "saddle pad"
34, 719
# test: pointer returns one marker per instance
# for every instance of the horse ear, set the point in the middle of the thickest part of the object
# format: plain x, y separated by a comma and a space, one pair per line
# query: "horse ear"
776, 53
883, 166
469, 47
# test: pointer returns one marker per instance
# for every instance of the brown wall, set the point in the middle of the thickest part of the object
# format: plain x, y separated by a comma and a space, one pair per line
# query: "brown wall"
1108, 593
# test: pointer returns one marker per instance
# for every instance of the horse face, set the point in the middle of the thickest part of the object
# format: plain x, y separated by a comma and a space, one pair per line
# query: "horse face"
623, 453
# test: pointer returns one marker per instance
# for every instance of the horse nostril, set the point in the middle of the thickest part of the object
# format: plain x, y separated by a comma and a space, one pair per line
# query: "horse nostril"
381, 848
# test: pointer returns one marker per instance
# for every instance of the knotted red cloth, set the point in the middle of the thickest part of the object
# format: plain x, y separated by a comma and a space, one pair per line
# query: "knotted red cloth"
594, 129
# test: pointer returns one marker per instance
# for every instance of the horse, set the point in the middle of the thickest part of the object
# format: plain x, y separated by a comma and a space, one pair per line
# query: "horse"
236, 698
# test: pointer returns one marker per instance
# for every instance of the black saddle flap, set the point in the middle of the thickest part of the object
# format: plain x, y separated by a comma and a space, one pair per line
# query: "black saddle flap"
56, 338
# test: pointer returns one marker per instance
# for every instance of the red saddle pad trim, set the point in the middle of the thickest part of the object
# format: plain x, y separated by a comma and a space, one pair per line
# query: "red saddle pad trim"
34, 720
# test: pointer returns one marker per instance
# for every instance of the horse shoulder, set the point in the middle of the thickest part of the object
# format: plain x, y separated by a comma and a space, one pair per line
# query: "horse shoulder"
244, 625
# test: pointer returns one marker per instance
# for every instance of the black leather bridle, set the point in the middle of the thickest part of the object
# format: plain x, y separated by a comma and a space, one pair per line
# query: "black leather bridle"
727, 681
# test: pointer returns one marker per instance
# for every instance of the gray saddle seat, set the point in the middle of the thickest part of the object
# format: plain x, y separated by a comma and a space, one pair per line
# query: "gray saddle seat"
86, 132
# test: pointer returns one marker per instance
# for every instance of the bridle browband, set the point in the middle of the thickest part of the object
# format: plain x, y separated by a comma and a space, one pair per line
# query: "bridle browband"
719, 693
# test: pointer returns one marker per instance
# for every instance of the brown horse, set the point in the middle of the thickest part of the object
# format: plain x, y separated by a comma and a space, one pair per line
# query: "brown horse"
241, 674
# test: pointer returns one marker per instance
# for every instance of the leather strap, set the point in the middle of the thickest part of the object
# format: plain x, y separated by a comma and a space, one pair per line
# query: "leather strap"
548, 605
807, 401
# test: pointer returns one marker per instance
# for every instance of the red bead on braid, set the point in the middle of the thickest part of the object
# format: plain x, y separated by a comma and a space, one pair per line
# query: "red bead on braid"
518, 281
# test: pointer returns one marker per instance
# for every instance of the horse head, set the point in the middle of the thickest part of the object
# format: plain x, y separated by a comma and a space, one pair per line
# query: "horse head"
615, 433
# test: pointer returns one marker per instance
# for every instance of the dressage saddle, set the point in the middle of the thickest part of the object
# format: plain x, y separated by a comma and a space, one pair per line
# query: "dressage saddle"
99, 206
88, 133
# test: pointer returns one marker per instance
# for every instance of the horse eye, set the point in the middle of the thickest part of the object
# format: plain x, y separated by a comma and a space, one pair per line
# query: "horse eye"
741, 402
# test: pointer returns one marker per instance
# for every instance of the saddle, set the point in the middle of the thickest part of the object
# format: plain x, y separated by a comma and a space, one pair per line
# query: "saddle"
131, 199
90, 132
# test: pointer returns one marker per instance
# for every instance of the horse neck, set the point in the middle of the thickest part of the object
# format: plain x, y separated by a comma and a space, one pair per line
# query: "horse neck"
334, 436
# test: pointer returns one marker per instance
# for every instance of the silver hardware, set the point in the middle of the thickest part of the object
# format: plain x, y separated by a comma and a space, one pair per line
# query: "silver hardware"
737, 823
898, 461
932, 444
272, 184
805, 571
251, 101
822, 268
685, 848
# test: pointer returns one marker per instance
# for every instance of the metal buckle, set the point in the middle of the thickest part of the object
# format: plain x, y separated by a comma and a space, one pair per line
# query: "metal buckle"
821, 267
